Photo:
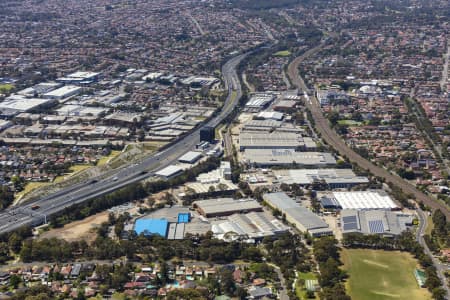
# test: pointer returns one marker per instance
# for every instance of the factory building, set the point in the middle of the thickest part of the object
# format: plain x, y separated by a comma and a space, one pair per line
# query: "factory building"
80, 78
365, 200
285, 106
303, 219
39, 89
170, 223
190, 157
334, 178
270, 115
152, 227
270, 140
287, 157
169, 172
259, 101
16, 104
385, 223
251, 226
225, 206
63, 92
213, 184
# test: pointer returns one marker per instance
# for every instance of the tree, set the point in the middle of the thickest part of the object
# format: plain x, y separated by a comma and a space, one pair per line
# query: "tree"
439, 293
14, 281
164, 273
15, 242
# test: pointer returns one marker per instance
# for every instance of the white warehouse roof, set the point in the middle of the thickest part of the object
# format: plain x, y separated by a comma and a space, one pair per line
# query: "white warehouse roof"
364, 200
190, 157
169, 171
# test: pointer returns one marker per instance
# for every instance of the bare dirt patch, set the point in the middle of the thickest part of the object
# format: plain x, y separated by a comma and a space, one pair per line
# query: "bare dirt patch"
79, 230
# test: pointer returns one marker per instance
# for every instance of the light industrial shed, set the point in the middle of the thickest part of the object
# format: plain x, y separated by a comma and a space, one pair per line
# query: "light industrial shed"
304, 219
225, 206
286, 157
365, 200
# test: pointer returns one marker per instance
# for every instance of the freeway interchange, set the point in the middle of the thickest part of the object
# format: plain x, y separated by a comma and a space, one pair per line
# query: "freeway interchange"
37, 211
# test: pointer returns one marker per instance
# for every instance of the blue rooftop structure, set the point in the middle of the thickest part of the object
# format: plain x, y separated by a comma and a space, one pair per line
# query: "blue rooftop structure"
184, 217
151, 226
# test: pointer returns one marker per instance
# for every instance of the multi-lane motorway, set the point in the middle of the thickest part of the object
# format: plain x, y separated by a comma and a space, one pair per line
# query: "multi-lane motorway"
18, 216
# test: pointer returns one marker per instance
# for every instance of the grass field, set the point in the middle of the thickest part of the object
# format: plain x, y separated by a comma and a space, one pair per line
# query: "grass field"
284, 53
349, 122
381, 275
105, 159
430, 225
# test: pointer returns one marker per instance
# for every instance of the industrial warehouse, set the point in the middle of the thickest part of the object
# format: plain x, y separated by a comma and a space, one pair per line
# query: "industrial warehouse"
334, 178
251, 226
363, 200
169, 223
287, 157
386, 223
303, 219
274, 140
225, 206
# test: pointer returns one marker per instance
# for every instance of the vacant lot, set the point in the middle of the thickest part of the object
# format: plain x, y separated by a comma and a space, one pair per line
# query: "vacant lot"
378, 274
79, 230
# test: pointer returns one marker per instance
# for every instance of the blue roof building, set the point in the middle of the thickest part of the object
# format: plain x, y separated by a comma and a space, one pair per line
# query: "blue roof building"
184, 217
152, 226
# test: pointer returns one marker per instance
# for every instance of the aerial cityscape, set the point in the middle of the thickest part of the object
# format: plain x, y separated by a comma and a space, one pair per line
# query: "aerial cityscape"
225, 149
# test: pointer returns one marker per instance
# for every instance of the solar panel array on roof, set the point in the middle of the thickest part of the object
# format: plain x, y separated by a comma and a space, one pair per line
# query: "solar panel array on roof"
349, 219
350, 226
376, 226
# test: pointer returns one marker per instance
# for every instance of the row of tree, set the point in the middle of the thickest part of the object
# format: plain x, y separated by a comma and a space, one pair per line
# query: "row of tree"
331, 278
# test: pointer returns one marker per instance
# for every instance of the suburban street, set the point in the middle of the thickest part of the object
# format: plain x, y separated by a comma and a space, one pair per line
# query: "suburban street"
335, 141
18, 216
441, 268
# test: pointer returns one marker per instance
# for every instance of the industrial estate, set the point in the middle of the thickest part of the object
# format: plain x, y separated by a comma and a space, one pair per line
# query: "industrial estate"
215, 149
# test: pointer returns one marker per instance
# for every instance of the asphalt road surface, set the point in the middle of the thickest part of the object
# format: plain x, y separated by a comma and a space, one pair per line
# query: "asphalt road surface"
14, 218
440, 267
334, 140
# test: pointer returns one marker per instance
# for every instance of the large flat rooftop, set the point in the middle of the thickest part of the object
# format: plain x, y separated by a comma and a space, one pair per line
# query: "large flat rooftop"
226, 206
330, 176
273, 157
365, 200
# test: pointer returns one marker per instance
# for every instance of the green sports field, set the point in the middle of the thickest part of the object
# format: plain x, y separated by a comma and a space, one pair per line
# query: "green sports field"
381, 275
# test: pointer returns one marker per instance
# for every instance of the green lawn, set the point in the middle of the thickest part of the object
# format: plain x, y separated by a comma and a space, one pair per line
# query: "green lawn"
105, 159
349, 122
284, 53
430, 225
381, 275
